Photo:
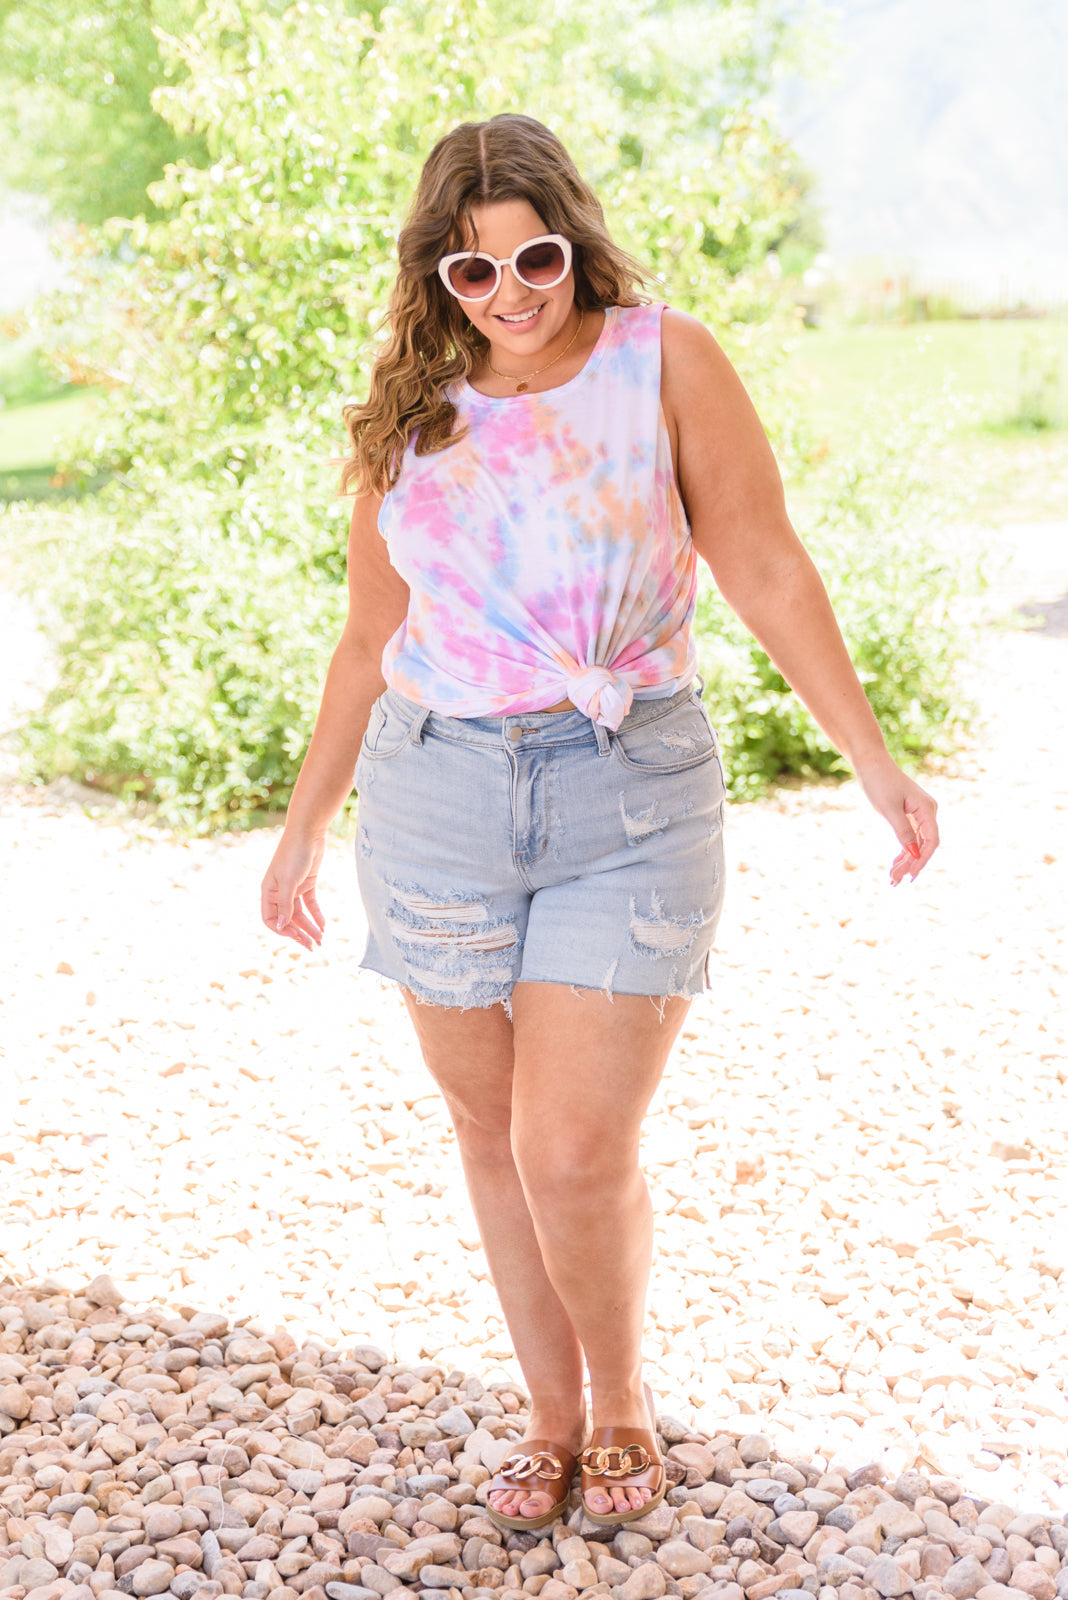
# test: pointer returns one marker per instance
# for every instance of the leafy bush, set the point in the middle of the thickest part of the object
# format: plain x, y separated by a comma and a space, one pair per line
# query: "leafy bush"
895, 585
1040, 403
191, 645
76, 118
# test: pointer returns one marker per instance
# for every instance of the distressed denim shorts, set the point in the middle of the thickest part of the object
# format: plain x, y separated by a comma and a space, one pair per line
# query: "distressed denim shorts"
540, 848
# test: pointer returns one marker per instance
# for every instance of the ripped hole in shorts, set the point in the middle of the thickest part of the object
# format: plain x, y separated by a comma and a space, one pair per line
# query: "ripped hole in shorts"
658, 935
644, 824
452, 947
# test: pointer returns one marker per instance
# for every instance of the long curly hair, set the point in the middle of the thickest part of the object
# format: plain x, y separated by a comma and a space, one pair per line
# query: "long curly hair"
431, 344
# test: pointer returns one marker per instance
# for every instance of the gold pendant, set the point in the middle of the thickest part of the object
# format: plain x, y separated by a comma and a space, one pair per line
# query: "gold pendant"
521, 388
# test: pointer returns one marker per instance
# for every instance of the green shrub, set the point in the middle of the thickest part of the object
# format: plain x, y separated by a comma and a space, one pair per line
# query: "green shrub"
894, 582
1040, 404
191, 646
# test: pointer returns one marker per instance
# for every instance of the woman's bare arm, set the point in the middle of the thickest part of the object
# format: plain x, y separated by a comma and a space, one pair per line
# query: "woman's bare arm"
733, 494
378, 603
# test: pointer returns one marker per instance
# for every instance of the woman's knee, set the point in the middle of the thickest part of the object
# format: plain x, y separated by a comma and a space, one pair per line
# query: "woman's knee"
565, 1168
483, 1131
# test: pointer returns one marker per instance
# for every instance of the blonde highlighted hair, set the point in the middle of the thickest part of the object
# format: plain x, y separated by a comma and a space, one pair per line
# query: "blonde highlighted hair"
431, 344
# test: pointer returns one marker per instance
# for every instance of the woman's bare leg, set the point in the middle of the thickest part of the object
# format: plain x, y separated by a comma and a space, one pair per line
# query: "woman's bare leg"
586, 1067
548, 1113
470, 1055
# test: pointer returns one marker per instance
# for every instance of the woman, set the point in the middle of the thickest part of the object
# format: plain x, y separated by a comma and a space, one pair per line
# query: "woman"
541, 458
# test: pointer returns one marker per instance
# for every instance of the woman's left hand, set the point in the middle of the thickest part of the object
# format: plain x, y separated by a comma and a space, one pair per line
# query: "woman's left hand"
909, 810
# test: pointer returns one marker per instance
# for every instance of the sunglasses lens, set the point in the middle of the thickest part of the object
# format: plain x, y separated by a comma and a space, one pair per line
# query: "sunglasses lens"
474, 277
541, 264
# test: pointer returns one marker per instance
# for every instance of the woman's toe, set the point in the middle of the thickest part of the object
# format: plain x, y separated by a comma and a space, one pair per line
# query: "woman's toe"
600, 1501
520, 1503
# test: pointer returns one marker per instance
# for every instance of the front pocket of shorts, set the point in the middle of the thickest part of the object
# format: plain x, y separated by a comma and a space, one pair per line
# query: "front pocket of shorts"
676, 742
387, 733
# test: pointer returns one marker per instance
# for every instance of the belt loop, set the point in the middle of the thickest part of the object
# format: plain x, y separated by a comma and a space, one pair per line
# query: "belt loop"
415, 732
601, 733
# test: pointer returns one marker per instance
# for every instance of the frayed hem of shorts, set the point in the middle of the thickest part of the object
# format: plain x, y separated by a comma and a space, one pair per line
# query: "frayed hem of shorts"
425, 997
659, 1001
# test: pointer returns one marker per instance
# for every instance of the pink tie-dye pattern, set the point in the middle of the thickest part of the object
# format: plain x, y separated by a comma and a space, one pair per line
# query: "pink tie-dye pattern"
547, 552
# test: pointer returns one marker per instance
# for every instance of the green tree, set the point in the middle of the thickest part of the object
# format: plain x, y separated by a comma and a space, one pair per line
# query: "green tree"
258, 288
77, 125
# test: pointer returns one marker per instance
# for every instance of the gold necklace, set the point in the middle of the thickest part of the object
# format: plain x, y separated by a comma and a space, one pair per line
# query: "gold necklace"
522, 384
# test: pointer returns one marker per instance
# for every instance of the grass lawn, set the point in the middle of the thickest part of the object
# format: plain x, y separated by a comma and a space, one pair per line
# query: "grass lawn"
28, 434
1007, 372
1000, 378
29, 439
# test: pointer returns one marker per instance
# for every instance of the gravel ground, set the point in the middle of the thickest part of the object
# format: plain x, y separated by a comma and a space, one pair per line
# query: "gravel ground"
858, 1160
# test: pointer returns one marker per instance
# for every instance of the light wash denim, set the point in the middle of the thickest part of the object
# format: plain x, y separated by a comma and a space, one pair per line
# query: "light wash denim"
540, 848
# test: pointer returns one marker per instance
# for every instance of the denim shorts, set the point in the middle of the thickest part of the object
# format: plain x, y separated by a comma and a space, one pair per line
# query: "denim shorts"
540, 848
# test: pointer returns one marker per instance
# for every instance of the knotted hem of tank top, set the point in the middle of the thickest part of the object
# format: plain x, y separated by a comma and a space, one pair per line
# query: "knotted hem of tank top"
603, 695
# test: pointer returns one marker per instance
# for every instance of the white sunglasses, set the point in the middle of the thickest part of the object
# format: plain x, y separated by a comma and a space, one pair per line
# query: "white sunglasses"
541, 263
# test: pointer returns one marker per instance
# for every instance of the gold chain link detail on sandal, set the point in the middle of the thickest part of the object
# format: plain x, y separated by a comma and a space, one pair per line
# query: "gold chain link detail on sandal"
539, 1465
612, 1462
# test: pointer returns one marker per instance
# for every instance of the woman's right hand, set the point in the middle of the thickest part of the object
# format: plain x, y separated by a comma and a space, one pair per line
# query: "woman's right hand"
288, 902
378, 604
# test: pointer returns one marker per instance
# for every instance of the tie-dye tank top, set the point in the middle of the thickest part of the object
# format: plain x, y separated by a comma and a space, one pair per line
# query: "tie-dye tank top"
547, 552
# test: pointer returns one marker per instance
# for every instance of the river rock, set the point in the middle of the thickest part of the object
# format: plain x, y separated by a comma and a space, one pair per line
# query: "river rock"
36, 1572
886, 1577
646, 1582
764, 1489
774, 1583
680, 1560
152, 1577
542, 1559
58, 1544
1034, 1580
794, 1527
163, 1522
964, 1579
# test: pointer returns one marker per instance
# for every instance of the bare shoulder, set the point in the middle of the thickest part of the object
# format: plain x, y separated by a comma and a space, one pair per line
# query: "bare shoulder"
683, 336
694, 366
724, 464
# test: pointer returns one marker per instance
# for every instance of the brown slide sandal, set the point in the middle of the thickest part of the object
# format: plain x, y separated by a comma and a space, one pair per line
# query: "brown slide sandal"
623, 1458
537, 1467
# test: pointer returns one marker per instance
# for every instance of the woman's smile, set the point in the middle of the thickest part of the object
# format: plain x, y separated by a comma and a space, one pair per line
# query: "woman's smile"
520, 319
